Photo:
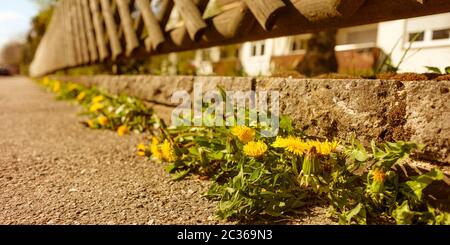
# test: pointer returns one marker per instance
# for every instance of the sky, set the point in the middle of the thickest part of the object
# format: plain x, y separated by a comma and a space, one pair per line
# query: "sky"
15, 19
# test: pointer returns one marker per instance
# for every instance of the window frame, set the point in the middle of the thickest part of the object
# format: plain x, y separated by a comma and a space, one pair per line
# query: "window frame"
296, 41
258, 49
428, 41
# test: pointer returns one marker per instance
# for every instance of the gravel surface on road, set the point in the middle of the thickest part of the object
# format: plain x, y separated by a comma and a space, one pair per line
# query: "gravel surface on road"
53, 170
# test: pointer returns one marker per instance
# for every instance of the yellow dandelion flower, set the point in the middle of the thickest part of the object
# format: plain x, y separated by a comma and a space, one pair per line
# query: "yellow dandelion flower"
56, 87
81, 96
324, 148
96, 107
255, 149
122, 130
378, 175
280, 142
141, 149
292, 144
297, 146
244, 133
102, 120
331, 146
167, 151
90, 123
98, 99
72, 86
45, 81
155, 149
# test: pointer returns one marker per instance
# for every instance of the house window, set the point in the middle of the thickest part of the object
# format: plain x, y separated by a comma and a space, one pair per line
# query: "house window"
441, 34
254, 49
258, 48
230, 51
362, 36
205, 55
298, 44
416, 36
432, 30
429, 38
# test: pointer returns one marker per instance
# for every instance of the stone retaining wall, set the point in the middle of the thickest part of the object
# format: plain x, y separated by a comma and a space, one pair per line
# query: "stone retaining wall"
418, 111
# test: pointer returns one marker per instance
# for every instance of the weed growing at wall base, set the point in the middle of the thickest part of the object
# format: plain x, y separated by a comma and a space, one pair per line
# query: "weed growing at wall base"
218, 108
256, 175
122, 113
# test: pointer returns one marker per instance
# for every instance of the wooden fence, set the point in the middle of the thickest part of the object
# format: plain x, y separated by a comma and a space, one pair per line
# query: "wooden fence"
83, 32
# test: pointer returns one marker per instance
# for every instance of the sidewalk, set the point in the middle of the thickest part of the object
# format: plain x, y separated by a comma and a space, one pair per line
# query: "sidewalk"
53, 170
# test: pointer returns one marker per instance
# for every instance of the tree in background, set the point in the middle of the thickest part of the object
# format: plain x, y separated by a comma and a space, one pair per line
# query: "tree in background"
320, 57
38, 26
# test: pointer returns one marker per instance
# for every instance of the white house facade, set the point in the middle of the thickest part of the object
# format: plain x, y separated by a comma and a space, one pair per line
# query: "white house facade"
430, 37
416, 43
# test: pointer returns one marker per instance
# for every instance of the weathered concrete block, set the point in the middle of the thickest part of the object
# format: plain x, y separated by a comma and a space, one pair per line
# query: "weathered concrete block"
380, 110
334, 108
211, 83
159, 90
369, 109
428, 116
